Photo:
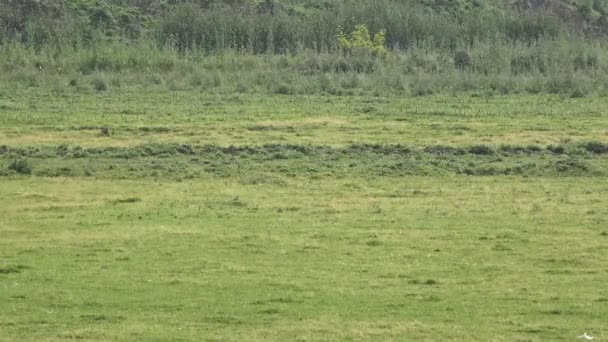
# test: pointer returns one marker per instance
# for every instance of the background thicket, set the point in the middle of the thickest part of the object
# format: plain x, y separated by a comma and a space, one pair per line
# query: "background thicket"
292, 46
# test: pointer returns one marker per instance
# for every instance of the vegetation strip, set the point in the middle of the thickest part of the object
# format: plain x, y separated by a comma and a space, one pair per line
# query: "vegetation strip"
190, 161
150, 150
341, 47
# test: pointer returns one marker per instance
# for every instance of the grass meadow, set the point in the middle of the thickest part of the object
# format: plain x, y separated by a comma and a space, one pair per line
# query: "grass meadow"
193, 215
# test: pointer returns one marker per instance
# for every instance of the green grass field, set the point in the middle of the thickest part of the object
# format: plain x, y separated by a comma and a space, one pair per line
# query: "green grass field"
193, 216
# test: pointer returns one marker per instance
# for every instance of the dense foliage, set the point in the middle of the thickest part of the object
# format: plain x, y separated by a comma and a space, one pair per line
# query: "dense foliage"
281, 26
309, 46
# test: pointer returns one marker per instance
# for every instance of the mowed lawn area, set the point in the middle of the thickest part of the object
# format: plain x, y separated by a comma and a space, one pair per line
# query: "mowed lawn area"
188, 216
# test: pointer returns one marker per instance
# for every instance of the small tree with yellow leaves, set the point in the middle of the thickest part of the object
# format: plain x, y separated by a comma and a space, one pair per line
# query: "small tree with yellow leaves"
360, 41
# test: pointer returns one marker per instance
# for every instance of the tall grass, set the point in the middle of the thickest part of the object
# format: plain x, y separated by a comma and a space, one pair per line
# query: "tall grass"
544, 68
273, 26
290, 47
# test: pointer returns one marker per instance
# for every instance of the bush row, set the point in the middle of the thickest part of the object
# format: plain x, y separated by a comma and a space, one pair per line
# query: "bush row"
272, 26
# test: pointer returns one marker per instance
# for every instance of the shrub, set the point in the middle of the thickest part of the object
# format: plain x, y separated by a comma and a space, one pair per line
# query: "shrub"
596, 147
578, 92
99, 83
350, 82
528, 63
585, 10
284, 89
582, 62
326, 84
180, 27
481, 150
573, 166
241, 87
21, 166
155, 79
557, 149
559, 84
533, 148
361, 41
599, 6
462, 60
115, 82
26, 76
